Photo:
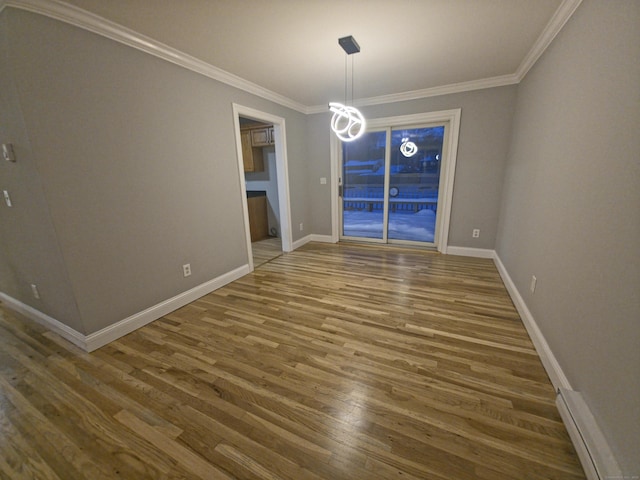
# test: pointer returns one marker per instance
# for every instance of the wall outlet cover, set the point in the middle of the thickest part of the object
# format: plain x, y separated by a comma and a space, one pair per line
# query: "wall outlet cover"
186, 269
7, 152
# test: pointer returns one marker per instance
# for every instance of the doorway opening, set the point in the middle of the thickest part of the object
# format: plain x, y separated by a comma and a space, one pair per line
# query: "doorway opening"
264, 183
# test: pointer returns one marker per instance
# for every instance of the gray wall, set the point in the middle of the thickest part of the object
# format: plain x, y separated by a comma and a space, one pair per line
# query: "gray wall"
485, 129
128, 170
319, 154
571, 210
29, 251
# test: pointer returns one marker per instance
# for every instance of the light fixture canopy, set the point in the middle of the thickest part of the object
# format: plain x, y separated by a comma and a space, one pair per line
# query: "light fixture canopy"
349, 44
347, 122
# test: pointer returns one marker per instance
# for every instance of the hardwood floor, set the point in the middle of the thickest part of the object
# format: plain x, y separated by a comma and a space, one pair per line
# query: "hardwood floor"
266, 250
331, 362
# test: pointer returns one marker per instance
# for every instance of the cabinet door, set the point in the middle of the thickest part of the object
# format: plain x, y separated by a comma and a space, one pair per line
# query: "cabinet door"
260, 137
258, 221
252, 158
247, 151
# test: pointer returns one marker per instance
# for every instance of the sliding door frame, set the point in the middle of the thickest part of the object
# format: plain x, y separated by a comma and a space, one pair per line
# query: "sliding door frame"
451, 120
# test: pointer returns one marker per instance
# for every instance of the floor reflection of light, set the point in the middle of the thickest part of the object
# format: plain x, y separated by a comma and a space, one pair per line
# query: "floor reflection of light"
351, 422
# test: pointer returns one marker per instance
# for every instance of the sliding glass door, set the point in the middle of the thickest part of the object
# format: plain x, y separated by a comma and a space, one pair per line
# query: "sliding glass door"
363, 186
390, 182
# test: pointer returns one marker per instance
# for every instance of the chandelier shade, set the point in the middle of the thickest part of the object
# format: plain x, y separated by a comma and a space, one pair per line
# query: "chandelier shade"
347, 122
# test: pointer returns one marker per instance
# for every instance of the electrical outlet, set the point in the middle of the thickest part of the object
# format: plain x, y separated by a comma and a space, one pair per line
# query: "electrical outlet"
301, 226
7, 152
34, 290
186, 269
476, 233
534, 280
323, 180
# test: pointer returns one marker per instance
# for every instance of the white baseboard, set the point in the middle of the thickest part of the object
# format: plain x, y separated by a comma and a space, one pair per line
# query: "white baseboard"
471, 252
140, 319
300, 242
45, 320
322, 238
591, 446
593, 450
313, 237
113, 332
549, 361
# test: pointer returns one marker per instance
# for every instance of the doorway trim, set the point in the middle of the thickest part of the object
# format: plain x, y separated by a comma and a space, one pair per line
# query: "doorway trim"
282, 174
450, 152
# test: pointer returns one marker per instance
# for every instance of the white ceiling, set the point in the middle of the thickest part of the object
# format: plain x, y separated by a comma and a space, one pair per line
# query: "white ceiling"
290, 47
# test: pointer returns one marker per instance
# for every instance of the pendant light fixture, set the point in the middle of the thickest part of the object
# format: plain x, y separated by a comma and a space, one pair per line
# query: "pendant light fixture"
347, 122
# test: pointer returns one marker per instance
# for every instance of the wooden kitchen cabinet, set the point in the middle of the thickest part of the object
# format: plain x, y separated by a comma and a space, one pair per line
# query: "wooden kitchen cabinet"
262, 137
258, 220
252, 157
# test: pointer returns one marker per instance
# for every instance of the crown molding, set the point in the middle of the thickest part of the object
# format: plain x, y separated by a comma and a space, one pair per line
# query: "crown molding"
428, 92
88, 21
80, 18
558, 20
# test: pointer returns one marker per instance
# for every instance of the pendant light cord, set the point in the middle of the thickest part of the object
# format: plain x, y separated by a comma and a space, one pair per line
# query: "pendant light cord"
352, 75
345, 77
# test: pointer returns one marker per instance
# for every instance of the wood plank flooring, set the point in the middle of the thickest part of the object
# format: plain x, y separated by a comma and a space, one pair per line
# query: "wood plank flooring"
266, 250
331, 362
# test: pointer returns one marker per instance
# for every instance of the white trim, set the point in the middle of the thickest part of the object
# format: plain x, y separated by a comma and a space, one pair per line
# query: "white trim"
94, 23
480, 84
334, 184
108, 334
282, 173
45, 320
471, 252
558, 20
595, 453
447, 176
386, 187
427, 92
313, 237
78, 17
592, 448
243, 188
450, 152
301, 241
140, 319
322, 238
549, 361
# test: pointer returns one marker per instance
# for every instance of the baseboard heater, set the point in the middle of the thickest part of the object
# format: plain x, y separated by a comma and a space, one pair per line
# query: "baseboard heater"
592, 448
